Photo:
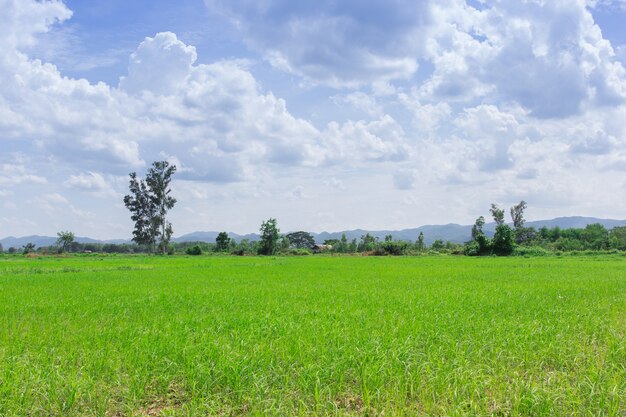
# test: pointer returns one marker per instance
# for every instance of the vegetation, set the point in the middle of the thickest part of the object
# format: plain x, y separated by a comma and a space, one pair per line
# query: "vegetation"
222, 242
269, 237
149, 201
301, 240
94, 335
194, 250
65, 241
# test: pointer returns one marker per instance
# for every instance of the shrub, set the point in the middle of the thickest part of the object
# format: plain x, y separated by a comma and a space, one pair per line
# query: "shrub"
530, 251
299, 252
194, 250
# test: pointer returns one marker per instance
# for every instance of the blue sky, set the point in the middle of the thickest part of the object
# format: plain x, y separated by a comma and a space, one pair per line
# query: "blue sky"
326, 115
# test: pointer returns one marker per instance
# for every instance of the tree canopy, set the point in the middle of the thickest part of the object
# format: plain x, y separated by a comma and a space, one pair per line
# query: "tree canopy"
149, 201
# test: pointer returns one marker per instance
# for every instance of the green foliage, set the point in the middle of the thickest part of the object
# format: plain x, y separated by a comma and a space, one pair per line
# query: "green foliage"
301, 240
149, 201
438, 245
419, 244
65, 240
222, 242
300, 252
497, 214
503, 240
517, 214
477, 228
194, 250
472, 248
391, 247
28, 248
269, 237
617, 238
367, 243
530, 251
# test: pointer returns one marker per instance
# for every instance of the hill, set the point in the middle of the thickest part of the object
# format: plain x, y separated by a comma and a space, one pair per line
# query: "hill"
449, 232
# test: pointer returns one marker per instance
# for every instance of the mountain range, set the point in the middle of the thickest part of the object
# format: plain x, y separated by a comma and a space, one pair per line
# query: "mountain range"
449, 232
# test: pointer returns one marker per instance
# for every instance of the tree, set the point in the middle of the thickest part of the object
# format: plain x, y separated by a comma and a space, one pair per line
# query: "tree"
343, 247
479, 244
367, 243
28, 248
517, 215
477, 229
617, 237
1, 248
502, 242
301, 240
421, 246
65, 240
149, 203
522, 234
222, 242
269, 237
595, 236
497, 213
194, 250
438, 245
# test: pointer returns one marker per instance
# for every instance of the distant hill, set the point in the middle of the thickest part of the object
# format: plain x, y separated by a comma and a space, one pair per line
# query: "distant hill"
449, 232
39, 241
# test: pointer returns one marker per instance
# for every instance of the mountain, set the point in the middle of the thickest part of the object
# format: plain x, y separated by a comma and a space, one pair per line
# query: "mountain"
210, 237
39, 241
449, 232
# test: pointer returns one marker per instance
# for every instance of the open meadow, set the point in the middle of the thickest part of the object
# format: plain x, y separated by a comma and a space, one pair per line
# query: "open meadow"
317, 335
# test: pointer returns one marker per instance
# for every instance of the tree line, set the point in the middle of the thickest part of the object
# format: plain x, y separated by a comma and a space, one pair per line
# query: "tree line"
150, 199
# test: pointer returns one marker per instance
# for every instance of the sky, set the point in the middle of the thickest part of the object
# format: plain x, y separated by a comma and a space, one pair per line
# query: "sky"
326, 115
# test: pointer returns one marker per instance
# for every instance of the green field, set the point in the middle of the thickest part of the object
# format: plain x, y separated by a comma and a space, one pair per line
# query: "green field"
234, 336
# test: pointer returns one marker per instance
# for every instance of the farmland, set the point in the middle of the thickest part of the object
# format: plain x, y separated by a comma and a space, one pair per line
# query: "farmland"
178, 336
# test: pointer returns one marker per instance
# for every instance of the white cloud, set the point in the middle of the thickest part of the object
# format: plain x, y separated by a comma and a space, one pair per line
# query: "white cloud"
346, 43
149, 71
549, 57
510, 99
12, 174
360, 101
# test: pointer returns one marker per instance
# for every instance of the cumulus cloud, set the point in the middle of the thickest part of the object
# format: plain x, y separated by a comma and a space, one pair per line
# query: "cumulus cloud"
12, 174
160, 65
549, 57
455, 95
344, 43
89, 181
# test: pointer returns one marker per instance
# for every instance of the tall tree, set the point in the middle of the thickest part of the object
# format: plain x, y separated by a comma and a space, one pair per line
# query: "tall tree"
517, 215
269, 237
421, 246
65, 240
149, 203
502, 242
28, 248
301, 240
222, 242
477, 228
498, 214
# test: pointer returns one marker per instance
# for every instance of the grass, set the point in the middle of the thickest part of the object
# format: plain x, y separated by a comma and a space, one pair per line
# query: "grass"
308, 336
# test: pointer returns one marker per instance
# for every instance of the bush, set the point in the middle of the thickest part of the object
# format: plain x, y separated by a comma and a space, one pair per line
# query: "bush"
502, 242
194, 250
472, 248
299, 252
530, 251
